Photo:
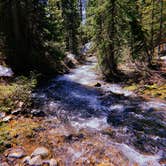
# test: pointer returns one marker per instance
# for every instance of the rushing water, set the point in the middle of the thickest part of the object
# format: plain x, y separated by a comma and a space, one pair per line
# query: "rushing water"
138, 127
5, 72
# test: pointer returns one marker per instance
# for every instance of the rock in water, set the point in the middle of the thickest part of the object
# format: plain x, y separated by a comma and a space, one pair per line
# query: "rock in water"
97, 85
7, 118
53, 162
2, 115
36, 161
26, 160
16, 111
38, 113
5, 71
40, 151
16, 153
46, 162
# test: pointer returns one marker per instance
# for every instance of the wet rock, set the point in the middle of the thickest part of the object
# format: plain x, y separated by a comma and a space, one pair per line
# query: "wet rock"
5, 71
109, 131
7, 144
16, 111
46, 162
71, 61
2, 115
4, 164
40, 151
16, 153
97, 84
37, 112
7, 118
53, 162
35, 161
74, 137
26, 160
20, 104
163, 161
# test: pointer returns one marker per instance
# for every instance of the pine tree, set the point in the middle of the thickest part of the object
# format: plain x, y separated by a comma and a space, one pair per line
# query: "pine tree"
70, 13
25, 26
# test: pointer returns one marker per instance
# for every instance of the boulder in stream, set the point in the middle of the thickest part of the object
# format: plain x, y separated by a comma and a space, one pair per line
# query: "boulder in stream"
7, 118
40, 151
5, 71
16, 153
36, 161
53, 162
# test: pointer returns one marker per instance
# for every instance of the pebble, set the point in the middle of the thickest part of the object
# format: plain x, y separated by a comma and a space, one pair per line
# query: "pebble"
16, 153
40, 151
35, 161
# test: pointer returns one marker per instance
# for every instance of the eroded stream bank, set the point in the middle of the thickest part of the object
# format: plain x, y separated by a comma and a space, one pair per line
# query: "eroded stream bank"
85, 121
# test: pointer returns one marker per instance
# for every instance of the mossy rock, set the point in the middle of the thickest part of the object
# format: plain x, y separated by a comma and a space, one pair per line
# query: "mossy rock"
131, 87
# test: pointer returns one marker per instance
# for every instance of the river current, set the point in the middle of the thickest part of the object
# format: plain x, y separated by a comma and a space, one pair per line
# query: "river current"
101, 121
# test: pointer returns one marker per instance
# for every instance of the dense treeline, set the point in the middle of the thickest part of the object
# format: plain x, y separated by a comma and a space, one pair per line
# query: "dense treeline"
126, 28
35, 33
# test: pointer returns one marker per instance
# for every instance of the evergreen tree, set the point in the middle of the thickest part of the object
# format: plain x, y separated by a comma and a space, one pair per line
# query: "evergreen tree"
117, 25
71, 18
26, 28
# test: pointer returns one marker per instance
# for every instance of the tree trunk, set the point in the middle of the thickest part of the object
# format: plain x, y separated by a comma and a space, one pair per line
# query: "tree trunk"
152, 37
81, 8
111, 57
161, 26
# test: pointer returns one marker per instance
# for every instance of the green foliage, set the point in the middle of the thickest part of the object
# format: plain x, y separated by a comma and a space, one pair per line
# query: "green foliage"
117, 25
34, 35
71, 22
29, 29
19, 91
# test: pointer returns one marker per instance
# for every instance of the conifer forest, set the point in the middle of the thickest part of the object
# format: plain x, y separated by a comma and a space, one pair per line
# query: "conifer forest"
82, 82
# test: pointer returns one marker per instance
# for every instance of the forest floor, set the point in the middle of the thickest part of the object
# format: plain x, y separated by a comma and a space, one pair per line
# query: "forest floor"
79, 119
150, 84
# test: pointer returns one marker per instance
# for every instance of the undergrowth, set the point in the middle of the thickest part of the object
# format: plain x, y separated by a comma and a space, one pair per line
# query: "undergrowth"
19, 91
